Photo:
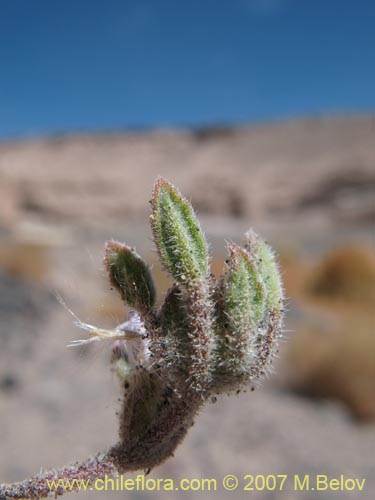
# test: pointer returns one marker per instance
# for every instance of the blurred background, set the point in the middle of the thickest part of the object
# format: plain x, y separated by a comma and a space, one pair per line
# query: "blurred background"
263, 113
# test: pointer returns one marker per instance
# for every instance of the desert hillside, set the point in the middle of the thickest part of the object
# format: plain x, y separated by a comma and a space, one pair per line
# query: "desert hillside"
308, 186
266, 172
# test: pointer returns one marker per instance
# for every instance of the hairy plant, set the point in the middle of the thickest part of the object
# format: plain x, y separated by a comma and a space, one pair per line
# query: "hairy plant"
208, 337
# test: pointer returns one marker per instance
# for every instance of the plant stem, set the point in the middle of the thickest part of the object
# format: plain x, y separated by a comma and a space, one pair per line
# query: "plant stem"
59, 481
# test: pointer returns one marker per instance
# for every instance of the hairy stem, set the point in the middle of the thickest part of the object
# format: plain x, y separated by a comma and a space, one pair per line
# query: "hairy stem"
73, 477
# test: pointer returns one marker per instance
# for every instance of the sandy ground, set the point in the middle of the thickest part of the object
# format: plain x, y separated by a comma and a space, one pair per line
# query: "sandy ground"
305, 186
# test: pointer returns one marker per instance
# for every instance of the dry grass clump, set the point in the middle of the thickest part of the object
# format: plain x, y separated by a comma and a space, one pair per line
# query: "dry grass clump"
27, 260
346, 273
331, 355
337, 363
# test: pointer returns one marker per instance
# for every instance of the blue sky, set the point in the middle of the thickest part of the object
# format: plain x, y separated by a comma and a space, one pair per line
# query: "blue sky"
106, 65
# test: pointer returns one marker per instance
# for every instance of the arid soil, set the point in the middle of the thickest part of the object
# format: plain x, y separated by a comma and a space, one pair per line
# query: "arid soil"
307, 186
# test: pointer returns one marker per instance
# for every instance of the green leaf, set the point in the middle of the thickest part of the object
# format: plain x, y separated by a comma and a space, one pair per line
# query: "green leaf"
174, 316
244, 294
175, 330
266, 263
177, 234
240, 311
271, 330
130, 275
